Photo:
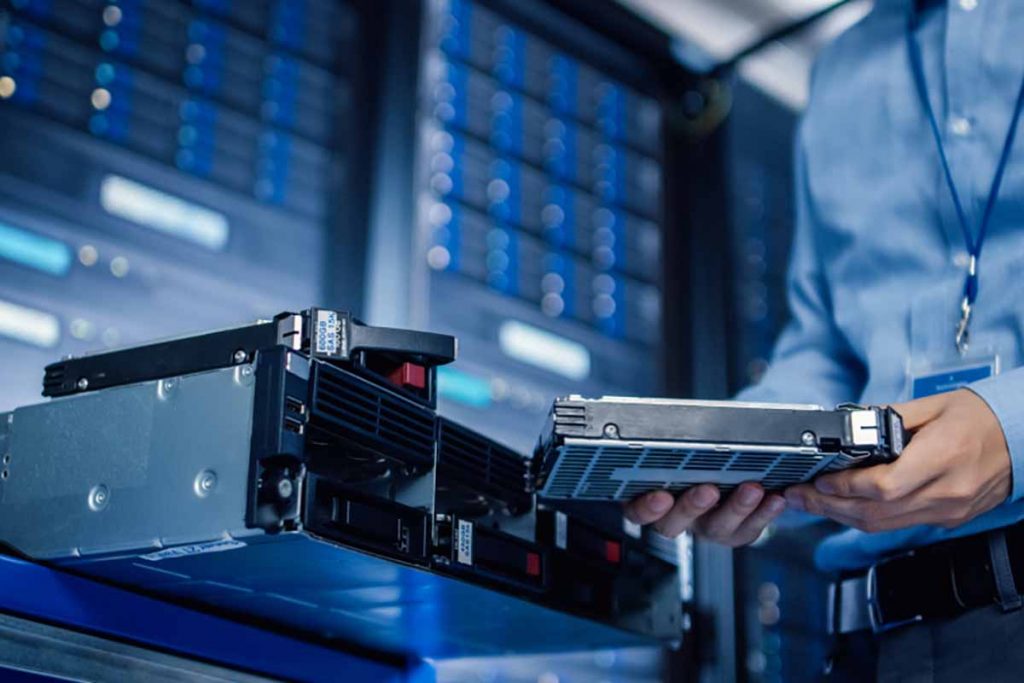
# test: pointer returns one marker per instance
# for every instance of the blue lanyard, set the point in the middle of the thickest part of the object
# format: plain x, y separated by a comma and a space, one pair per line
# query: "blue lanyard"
973, 244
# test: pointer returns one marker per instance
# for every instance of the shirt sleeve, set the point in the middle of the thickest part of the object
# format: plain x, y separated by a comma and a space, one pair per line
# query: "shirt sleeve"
1004, 395
812, 361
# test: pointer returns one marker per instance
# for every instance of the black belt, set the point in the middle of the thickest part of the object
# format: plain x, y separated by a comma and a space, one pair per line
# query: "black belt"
934, 582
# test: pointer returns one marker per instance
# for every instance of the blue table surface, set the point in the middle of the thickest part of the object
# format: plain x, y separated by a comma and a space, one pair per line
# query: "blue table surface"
34, 591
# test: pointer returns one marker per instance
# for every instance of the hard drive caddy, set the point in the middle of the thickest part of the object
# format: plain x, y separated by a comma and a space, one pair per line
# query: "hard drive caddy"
617, 448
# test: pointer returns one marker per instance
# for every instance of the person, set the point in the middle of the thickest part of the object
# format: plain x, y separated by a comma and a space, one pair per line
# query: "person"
908, 163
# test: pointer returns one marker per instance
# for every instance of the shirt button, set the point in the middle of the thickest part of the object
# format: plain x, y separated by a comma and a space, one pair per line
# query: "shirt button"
960, 125
968, 5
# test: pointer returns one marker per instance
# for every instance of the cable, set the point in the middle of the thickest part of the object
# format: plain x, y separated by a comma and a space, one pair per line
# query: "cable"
708, 103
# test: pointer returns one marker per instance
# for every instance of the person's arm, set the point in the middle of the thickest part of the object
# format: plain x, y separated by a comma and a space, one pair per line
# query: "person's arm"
965, 458
811, 363
1004, 396
956, 467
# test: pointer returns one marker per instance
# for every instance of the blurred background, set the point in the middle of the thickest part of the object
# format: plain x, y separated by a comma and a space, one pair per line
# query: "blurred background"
571, 187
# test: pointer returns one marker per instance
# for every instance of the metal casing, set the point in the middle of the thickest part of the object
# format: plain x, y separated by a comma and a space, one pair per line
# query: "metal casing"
617, 448
144, 467
149, 486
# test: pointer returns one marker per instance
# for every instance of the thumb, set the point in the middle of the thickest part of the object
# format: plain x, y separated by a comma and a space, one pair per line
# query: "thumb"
920, 411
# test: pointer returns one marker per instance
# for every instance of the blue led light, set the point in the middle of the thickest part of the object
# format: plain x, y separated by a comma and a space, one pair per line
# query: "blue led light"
35, 251
461, 387
109, 40
105, 73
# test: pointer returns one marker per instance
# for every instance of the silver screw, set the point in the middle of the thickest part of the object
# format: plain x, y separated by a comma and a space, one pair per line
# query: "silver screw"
247, 370
808, 438
285, 488
99, 496
240, 356
168, 384
83, 384
205, 483
611, 431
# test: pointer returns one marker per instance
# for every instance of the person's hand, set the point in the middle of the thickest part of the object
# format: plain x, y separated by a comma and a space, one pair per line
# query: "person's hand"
956, 467
738, 521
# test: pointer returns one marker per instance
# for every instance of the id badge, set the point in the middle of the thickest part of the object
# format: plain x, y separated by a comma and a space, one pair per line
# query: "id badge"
930, 377
935, 365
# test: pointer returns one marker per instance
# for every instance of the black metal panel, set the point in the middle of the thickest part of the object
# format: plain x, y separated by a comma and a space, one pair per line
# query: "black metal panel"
481, 465
344, 407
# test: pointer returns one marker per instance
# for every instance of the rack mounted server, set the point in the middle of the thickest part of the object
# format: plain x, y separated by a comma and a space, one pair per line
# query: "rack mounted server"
294, 473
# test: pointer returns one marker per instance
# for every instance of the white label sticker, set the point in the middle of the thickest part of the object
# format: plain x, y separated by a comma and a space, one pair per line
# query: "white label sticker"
328, 339
197, 549
632, 528
464, 542
561, 530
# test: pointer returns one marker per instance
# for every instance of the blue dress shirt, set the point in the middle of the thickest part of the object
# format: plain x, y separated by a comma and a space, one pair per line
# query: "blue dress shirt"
879, 260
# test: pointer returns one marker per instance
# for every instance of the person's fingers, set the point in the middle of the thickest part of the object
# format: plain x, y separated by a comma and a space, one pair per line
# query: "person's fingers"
928, 505
690, 505
863, 509
750, 529
912, 470
649, 507
919, 411
720, 524
889, 523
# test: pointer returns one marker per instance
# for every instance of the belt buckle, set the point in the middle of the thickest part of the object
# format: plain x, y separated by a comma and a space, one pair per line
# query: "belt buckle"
875, 616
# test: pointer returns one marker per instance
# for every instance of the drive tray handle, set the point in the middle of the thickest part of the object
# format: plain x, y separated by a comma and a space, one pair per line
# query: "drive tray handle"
432, 348
336, 335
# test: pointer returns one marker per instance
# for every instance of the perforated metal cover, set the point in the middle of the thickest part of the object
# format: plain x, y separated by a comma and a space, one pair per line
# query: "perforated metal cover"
616, 470
616, 448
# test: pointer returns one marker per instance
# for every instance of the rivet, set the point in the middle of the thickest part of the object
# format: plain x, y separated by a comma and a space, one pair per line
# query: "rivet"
99, 497
205, 483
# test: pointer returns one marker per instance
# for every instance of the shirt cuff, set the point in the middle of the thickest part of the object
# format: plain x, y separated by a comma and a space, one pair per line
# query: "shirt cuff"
1004, 395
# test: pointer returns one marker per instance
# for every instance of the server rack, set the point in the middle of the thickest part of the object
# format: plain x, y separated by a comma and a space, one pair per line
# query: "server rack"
538, 219
186, 160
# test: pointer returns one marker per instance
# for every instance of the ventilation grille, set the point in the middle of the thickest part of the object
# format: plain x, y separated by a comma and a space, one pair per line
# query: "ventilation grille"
477, 462
612, 472
347, 408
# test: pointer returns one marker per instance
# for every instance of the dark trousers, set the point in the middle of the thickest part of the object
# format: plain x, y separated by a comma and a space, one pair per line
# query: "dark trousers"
985, 645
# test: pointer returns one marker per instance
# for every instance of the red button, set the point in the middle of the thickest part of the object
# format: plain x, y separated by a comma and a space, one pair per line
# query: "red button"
533, 564
409, 375
613, 551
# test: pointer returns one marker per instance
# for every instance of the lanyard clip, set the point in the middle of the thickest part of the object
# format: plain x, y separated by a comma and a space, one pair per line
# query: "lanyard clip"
963, 333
